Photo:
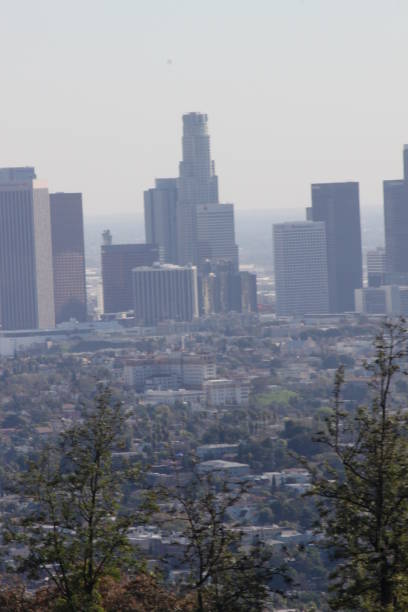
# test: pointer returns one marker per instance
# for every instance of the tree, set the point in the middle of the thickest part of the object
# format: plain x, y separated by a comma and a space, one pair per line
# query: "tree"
139, 593
224, 575
75, 528
363, 499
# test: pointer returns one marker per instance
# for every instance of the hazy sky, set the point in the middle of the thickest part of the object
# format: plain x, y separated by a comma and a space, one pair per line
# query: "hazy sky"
297, 91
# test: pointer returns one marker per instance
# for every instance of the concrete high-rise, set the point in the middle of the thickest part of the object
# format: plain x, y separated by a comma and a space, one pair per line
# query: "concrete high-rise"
405, 161
198, 207
197, 183
216, 234
160, 214
300, 259
376, 267
338, 206
68, 256
26, 274
165, 292
118, 261
396, 231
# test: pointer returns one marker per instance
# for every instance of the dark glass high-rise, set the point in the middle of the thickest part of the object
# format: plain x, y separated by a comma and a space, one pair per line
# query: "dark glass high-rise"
68, 256
338, 205
396, 231
118, 261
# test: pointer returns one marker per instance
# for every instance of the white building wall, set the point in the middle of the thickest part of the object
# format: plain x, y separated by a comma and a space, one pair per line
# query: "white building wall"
301, 276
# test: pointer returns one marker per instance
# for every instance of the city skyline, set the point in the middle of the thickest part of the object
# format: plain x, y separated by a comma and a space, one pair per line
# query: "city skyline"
284, 114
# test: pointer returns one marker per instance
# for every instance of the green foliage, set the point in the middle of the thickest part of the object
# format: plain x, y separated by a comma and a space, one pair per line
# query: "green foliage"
363, 499
279, 397
225, 575
75, 530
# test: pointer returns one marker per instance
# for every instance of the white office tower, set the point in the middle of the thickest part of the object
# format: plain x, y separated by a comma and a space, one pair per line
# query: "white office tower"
26, 273
300, 256
216, 234
165, 292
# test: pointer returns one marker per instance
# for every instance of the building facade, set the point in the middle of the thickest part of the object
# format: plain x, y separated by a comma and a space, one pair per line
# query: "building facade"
216, 234
160, 215
300, 258
174, 371
165, 292
224, 392
396, 231
376, 267
337, 205
68, 256
385, 300
26, 274
248, 291
118, 261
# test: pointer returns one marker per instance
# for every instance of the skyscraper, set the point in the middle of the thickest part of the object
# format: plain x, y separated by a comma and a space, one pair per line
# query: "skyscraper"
376, 267
338, 206
118, 261
185, 218
405, 160
68, 256
165, 292
249, 298
160, 214
300, 258
197, 183
183, 215
396, 231
26, 275
197, 189
216, 234
222, 289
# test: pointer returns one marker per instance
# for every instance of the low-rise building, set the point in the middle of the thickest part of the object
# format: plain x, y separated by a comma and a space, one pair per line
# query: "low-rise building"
171, 396
224, 392
170, 371
216, 451
225, 469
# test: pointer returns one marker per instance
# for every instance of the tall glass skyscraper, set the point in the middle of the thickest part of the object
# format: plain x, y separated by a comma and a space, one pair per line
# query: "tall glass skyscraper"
396, 231
338, 206
68, 255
